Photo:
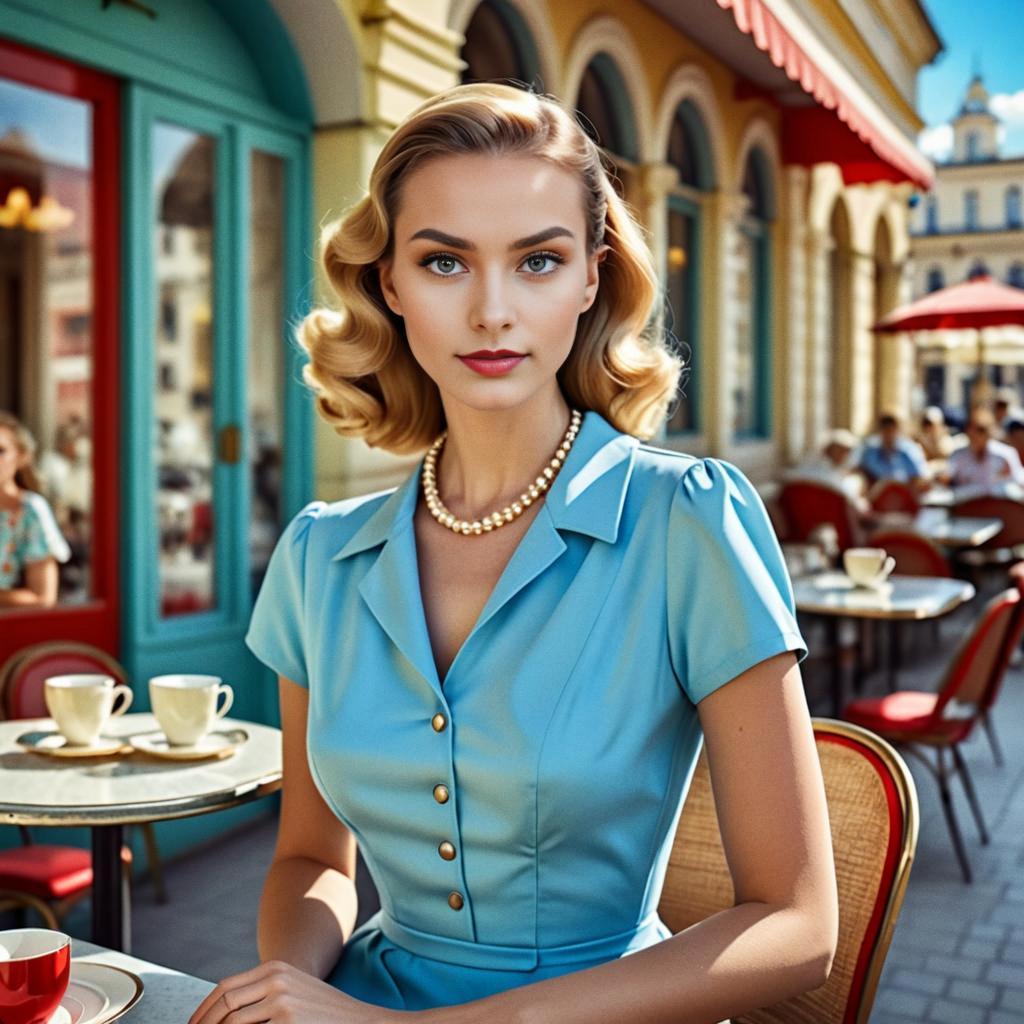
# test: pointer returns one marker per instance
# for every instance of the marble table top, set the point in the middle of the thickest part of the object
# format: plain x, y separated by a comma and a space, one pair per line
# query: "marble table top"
169, 997
901, 597
37, 789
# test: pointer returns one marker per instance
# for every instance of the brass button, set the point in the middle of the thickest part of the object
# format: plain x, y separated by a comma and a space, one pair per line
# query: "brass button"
446, 850
439, 722
441, 794
455, 900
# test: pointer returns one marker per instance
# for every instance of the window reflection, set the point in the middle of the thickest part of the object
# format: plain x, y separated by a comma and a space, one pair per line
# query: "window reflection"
46, 347
183, 163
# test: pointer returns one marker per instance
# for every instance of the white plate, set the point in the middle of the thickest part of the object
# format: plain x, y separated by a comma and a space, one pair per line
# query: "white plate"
221, 743
56, 744
97, 994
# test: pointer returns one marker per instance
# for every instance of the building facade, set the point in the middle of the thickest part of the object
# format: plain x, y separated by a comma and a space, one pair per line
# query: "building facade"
970, 223
165, 166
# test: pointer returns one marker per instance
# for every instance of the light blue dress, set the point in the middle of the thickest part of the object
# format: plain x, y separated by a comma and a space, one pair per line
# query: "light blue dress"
567, 730
29, 535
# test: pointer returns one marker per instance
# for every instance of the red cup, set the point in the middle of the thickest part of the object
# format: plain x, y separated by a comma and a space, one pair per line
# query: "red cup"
35, 965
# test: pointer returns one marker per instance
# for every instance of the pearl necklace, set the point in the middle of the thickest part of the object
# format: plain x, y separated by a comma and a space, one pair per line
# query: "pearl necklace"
512, 511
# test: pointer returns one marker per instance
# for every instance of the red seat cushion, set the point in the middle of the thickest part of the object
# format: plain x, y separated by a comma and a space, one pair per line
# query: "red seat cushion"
47, 871
906, 714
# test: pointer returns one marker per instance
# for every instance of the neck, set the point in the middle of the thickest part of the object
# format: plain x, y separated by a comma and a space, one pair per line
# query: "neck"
491, 456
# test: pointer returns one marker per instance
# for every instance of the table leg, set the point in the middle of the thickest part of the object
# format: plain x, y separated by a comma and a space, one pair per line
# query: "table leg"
894, 653
111, 896
832, 634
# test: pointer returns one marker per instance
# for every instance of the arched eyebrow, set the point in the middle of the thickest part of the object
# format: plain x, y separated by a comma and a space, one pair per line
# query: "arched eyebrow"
520, 243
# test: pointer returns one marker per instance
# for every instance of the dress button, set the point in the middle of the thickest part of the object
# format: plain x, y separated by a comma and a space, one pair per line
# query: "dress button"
441, 794
446, 850
455, 900
439, 722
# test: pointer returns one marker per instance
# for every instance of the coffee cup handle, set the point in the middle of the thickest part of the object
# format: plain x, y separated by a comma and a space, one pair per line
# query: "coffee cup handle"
887, 566
229, 695
126, 693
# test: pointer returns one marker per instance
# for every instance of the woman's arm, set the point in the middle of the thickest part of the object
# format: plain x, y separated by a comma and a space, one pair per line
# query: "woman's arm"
41, 585
308, 908
780, 937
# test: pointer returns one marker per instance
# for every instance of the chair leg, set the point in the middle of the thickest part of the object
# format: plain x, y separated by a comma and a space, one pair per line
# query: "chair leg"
972, 797
20, 902
954, 829
155, 864
990, 731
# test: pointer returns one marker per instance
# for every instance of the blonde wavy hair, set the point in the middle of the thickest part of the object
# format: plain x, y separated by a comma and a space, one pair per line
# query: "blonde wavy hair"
360, 366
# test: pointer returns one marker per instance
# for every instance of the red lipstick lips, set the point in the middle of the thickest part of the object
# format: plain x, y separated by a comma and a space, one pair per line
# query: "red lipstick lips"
492, 363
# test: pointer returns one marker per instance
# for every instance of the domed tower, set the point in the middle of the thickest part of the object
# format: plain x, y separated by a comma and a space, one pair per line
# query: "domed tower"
975, 136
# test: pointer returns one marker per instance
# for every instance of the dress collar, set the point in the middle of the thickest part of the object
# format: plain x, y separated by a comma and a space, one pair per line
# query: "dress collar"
587, 496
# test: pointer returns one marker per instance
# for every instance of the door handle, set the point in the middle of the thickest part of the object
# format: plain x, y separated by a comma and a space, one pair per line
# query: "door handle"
229, 443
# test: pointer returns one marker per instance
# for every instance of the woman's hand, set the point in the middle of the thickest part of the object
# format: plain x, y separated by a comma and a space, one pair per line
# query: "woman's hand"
277, 993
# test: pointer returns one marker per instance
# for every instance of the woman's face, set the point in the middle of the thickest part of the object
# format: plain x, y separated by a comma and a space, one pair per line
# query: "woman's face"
490, 255
11, 457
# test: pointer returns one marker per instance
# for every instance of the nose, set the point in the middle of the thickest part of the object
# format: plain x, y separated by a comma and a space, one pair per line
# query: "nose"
492, 310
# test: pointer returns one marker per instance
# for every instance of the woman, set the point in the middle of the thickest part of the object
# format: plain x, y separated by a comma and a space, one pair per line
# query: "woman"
31, 543
498, 692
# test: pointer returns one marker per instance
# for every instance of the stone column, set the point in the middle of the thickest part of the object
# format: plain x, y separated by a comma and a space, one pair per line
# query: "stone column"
791, 387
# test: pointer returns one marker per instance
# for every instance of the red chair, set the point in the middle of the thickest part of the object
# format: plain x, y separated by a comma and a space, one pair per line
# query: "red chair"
894, 496
810, 504
943, 720
48, 877
915, 555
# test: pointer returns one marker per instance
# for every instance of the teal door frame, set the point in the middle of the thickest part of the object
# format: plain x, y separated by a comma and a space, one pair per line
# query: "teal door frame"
156, 644
691, 209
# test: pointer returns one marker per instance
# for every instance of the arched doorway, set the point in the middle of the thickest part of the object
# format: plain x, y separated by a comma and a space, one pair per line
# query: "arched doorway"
499, 46
689, 153
603, 102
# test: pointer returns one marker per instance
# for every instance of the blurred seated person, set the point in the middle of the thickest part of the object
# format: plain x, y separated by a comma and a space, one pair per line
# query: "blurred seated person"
986, 465
834, 465
31, 543
892, 456
1014, 436
1005, 407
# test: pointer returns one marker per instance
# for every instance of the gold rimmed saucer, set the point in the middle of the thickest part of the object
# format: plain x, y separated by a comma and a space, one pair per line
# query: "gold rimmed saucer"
55, 744
97, 994
220, 743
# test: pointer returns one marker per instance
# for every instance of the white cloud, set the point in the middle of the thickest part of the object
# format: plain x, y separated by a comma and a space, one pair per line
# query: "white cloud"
936, 142
1009, 108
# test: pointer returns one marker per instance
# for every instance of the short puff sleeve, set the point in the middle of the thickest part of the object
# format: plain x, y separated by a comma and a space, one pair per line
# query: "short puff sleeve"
730, 600
276, 632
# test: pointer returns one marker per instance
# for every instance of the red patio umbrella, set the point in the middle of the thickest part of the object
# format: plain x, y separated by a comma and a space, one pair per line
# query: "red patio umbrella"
981, 302
978, 303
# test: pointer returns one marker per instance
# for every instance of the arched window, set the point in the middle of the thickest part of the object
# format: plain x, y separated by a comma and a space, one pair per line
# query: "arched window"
1013, 213
936, 279
932, 215
690, 154
971, 209
752, 363
1015, 275
603, 102
972, 146
499, 46
978, 269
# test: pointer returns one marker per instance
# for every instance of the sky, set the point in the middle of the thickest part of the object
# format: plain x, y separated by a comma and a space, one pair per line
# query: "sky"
987, 35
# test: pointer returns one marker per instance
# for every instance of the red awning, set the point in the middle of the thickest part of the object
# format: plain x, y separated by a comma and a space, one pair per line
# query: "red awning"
840, 129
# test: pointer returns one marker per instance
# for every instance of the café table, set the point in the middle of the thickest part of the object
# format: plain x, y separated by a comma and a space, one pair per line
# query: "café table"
941, 528
108, 793
168, 996
833, 596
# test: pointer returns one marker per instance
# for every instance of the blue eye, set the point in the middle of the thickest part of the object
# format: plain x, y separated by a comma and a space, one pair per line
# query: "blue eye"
536, 261
446, 263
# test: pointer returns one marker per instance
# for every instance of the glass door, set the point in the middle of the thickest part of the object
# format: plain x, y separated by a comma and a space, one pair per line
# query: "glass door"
59, 305
217, 221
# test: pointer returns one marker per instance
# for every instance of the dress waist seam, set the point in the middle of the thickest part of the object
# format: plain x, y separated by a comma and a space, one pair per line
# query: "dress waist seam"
519, 958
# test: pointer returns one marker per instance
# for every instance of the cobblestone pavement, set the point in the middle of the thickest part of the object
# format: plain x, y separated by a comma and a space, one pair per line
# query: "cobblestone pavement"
957, 956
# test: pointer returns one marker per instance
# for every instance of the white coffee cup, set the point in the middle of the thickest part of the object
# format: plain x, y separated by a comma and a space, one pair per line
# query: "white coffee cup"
186, 706
81, 704
868, 567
